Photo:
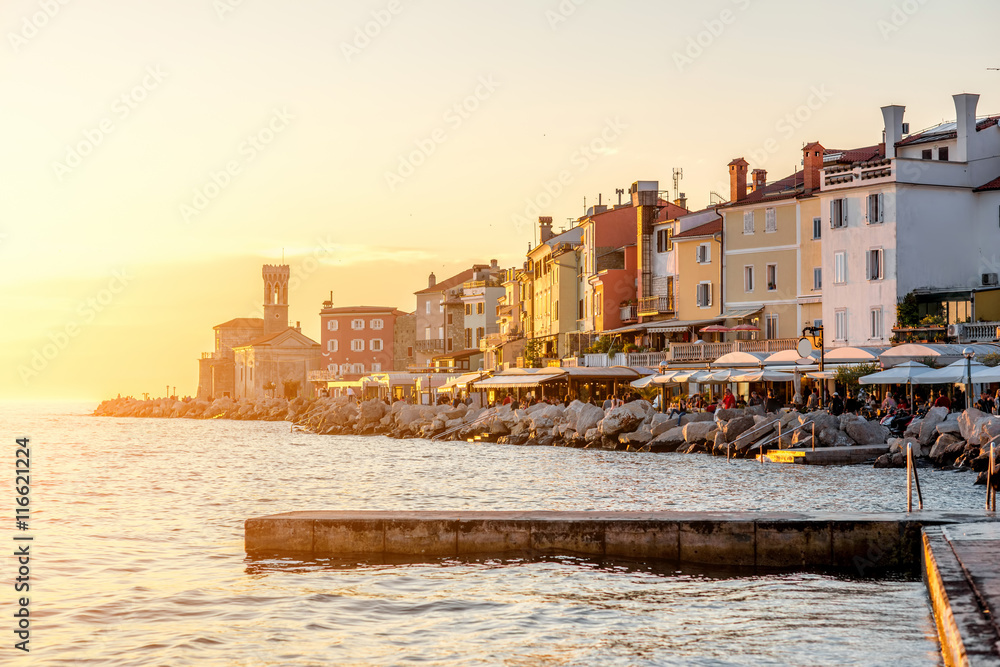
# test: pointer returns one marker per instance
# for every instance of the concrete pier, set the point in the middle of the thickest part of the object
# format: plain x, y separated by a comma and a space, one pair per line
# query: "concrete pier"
827, 456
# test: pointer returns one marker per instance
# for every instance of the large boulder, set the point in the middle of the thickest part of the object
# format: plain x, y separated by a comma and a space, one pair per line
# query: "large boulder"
967, 422
865, 432
587, 417
727, 414
949, 426
622, 419
987, 428
736, 427
698, 431
946, 449
692, 417
667, 442
823, 420
913, 428
928, 425
636, 439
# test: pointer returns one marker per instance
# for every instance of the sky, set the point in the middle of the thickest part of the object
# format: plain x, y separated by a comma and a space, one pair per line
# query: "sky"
157, 154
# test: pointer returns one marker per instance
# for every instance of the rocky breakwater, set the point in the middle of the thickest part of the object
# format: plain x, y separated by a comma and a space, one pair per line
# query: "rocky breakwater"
946, 439
263, 409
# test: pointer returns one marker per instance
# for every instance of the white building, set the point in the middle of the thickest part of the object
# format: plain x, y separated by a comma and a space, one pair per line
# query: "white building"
922, 216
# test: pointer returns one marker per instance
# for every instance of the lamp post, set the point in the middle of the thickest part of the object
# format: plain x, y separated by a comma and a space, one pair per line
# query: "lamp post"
817, 333
968, 353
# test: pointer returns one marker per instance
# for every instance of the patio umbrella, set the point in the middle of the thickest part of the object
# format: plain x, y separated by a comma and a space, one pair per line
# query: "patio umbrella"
692, 376
986, 375
764, 376
953, 373
744, 327
904, 373
726, 375
643, 382
714, 328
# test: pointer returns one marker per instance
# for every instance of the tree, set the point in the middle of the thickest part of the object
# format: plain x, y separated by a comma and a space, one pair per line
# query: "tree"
532, 353
991, 359
847, 376
908, 311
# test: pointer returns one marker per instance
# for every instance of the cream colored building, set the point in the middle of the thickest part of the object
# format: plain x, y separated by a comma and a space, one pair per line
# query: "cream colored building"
698, 287
555, 290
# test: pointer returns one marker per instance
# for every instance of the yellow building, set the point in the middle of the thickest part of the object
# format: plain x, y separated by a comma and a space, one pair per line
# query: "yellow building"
772, 276
555, 290
698, 288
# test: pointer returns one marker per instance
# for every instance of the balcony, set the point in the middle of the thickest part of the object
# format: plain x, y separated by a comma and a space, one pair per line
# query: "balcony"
656, 305
207, 355
322, 376
973, 332
871, 171
646, 359
694, 352
629, 314
430, 345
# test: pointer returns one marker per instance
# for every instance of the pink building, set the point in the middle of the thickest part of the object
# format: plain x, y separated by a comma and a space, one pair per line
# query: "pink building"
357, 340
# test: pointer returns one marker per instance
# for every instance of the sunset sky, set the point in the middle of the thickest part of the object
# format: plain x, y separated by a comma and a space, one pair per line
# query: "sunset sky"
157, 154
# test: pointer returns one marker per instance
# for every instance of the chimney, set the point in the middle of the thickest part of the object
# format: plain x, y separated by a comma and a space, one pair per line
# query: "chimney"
682, 201
893, 117
494, 264
644, 193
738, 179
432, 280
758, 179
812, 163
298, 326
965, 116
544, 229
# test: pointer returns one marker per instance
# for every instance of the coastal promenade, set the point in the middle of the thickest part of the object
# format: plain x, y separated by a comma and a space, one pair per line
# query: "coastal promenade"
954, 551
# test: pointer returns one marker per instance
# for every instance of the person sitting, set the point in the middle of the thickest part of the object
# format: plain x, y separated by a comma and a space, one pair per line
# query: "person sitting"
836, 405
985, 403
889, 403
942, 401
680, 410
755, 399
728, 400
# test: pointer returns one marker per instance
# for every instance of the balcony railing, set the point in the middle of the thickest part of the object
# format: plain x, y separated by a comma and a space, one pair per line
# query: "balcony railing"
430, 345
972, 332
629, 313
207, 355
322, 376
656, 305
647, 359
691, 352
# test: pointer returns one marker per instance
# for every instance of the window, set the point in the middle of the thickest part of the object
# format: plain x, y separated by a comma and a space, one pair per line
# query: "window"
358, 369
450, 315
580, 310
876, 324
332, 345
839, 268
480, 333
703, 295
748, 222
771, 274
876, 214
664, 240
771, 325
468, 309
375, 345
747, 278
480, 308
925, 154
840, 324
704, 253
838, 213
332, 368
332, 325
555, 311
345, 369
427, 333
409, 351
817, 278
468, 339
943, 154
357, 345
449, 345
817, 228
376, 368
874, 269
427, 307
770, 220
357, 325
377, 324
440, 332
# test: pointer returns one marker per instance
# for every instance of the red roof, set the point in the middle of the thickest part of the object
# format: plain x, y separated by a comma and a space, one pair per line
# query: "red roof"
708, 229
242, 323
853, 155
992, 185
460, 354
454, 281
931, 135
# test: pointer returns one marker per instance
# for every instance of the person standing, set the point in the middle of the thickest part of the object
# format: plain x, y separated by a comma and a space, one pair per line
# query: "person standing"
728, 400
836, 405
772, 404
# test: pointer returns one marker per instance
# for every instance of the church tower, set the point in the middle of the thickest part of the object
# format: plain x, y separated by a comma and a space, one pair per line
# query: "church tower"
275, 298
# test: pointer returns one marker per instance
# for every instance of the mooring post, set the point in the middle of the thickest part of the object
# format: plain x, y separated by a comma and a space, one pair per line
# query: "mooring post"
909, 478
991, 496
779, 433
814, 436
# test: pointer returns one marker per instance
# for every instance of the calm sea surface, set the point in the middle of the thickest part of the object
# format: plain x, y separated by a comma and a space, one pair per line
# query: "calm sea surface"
138, 555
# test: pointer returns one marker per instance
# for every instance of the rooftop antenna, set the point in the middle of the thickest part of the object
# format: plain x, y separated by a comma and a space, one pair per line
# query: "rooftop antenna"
678, 175
282, 255
619, 192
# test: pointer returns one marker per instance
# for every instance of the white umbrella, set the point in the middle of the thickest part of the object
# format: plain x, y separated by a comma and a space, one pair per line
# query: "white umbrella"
986, 375
952, 373
905, 373
764, 376
692, 376
726, 375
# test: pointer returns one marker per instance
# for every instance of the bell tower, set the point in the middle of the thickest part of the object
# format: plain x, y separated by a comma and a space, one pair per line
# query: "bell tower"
275, 298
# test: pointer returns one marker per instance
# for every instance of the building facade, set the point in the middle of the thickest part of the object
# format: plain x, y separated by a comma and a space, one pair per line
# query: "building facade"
357, 340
